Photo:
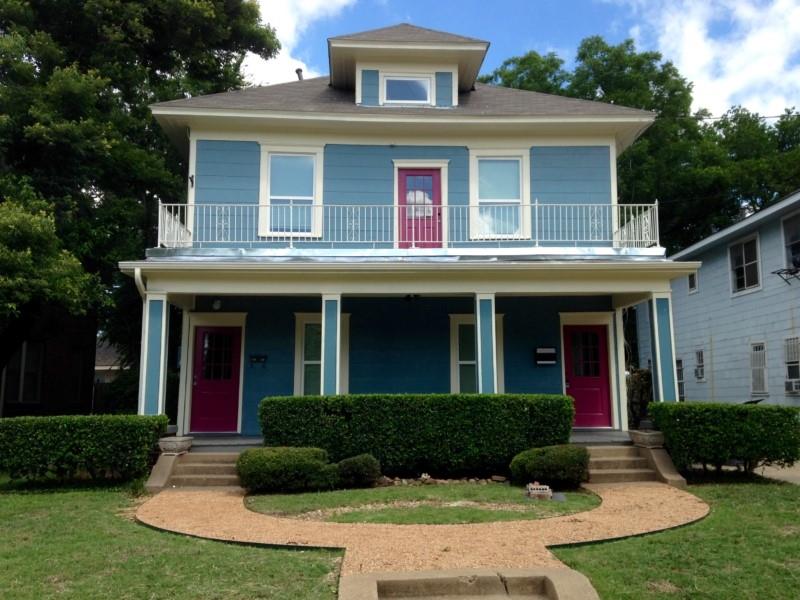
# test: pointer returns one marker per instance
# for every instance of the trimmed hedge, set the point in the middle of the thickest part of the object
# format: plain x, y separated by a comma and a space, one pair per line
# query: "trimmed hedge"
69, 447
359, 471
280, 469
560, 467
441, 434
714, 434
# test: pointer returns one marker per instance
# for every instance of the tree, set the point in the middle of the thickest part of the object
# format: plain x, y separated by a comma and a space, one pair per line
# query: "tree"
76, 79
531, 71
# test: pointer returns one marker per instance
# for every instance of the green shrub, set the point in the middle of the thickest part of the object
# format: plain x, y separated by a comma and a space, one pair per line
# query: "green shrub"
68, 447
442, 434
561, 467
280, 469
714, 434
359, 471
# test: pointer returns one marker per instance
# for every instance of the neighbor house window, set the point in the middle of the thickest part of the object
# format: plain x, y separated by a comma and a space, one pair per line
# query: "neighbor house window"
744, 265
692, 282
308, 354
22, 376
293, 195
791, 236
758, 368
499, 199
681, 384
699, 365
463, 357
406, 90
791, 356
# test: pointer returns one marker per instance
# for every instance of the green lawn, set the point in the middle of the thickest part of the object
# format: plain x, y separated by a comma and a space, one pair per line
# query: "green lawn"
82, 543
748, 548
454, 503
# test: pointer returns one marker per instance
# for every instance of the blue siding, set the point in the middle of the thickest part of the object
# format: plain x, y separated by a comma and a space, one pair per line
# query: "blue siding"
330, 346
666, 357
227, 172
154, 360
369, 87
444, 89
484, 311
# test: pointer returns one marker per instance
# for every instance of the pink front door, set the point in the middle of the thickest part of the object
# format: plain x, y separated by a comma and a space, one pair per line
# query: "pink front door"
215, 381
419, 197
586, 374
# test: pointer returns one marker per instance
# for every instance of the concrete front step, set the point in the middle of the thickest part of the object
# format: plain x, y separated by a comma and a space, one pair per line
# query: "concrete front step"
205, 469
203, 480
598, 452
210, 457
625, 462
621, 475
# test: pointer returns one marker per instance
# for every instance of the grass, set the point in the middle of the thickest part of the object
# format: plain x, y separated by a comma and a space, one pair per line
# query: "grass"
440, 504
747, 548
81, 543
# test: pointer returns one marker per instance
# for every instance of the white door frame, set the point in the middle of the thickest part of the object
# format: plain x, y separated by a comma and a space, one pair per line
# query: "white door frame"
437, 164
594, 318
194, 320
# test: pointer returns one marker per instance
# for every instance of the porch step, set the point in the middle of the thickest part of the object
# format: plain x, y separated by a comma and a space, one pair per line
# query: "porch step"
205, 468
203, 480
621, 475
209, 457
627, 462
598, 452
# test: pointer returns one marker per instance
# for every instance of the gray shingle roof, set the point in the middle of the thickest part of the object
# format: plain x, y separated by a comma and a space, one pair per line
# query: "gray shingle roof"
316, 96
405, 32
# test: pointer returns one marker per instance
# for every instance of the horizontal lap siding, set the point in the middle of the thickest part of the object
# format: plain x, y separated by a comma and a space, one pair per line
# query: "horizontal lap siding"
227, 172
724, 326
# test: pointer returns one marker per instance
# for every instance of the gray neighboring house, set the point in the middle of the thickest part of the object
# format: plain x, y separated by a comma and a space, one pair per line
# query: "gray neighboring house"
737, 320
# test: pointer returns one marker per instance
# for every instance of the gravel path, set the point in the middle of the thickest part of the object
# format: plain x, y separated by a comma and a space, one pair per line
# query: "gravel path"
627, 509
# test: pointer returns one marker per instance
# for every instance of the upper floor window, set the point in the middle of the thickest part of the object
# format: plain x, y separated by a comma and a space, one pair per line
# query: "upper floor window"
791, 237
293, 195
692, 282
407, 90
500, 198
744, 265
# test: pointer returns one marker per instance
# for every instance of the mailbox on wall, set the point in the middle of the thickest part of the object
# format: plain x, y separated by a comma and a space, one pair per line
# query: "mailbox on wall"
545, 356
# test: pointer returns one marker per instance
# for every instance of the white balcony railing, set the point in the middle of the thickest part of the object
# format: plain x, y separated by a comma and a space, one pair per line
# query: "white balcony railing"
224, 225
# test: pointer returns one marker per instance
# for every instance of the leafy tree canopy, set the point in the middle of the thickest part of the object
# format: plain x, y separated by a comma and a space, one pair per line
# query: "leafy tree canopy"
705, 173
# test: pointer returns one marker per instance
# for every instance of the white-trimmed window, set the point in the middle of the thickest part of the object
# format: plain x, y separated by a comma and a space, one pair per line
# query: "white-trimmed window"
692, 282
791, 357
744, 265
791, 237
407, 89
308, 354
291, 193
463, 358
758, 368
699, 365
681, 382
499, 196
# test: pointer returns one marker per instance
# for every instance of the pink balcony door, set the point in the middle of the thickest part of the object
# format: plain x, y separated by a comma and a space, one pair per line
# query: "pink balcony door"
420, 208
586, 374
215, 381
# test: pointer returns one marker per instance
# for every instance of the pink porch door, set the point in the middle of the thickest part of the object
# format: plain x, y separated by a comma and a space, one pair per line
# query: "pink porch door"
586, 374
420, 208
215, 381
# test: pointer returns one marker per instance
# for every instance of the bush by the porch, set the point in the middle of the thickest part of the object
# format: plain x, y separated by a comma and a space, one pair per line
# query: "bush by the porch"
360, 471
442, 434
279, 469
560, 467
68, 447
714, 434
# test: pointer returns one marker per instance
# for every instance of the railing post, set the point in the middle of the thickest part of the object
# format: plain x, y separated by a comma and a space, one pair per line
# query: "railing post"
536, 221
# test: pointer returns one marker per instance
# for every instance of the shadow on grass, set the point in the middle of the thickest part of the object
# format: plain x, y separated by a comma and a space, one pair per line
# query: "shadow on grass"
53, 485
727, 476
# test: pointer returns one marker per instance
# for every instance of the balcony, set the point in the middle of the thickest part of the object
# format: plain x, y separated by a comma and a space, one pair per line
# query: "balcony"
278, 228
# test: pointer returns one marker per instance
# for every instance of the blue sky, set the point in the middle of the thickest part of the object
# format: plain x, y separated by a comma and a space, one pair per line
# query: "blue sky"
734, 51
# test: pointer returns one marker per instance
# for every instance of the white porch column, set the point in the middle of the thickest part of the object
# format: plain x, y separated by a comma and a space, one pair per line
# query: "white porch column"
153, 365
331, 343
662, 340
486, 342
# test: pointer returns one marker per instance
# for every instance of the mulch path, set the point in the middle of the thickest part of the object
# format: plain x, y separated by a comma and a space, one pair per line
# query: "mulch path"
626, 509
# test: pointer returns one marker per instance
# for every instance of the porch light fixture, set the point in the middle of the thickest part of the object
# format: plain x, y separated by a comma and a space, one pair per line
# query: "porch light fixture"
216, 304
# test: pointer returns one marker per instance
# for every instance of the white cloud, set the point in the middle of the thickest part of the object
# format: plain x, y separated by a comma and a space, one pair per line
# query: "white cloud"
290, 19
734, 51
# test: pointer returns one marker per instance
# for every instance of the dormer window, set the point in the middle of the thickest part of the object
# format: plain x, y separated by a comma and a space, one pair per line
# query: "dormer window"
405, 89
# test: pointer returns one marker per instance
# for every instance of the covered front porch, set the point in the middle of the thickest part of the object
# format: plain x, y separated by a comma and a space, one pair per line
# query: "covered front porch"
247, 335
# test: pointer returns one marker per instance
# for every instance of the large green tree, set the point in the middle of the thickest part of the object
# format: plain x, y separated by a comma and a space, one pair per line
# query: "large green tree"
705, 173
76, 79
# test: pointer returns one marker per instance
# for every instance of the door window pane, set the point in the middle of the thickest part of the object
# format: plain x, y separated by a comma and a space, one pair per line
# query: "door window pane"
313, 342
585, 354
467, 378
466, 342
217, 356
311, 379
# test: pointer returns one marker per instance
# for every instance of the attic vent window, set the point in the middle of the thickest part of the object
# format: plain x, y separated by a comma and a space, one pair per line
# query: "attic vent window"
407, 90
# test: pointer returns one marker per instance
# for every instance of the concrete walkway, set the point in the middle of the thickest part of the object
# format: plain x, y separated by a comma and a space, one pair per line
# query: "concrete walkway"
626, 509
790, 474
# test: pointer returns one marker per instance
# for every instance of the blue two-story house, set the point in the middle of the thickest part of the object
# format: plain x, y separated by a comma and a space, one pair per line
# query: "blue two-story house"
737, 319
398, 227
